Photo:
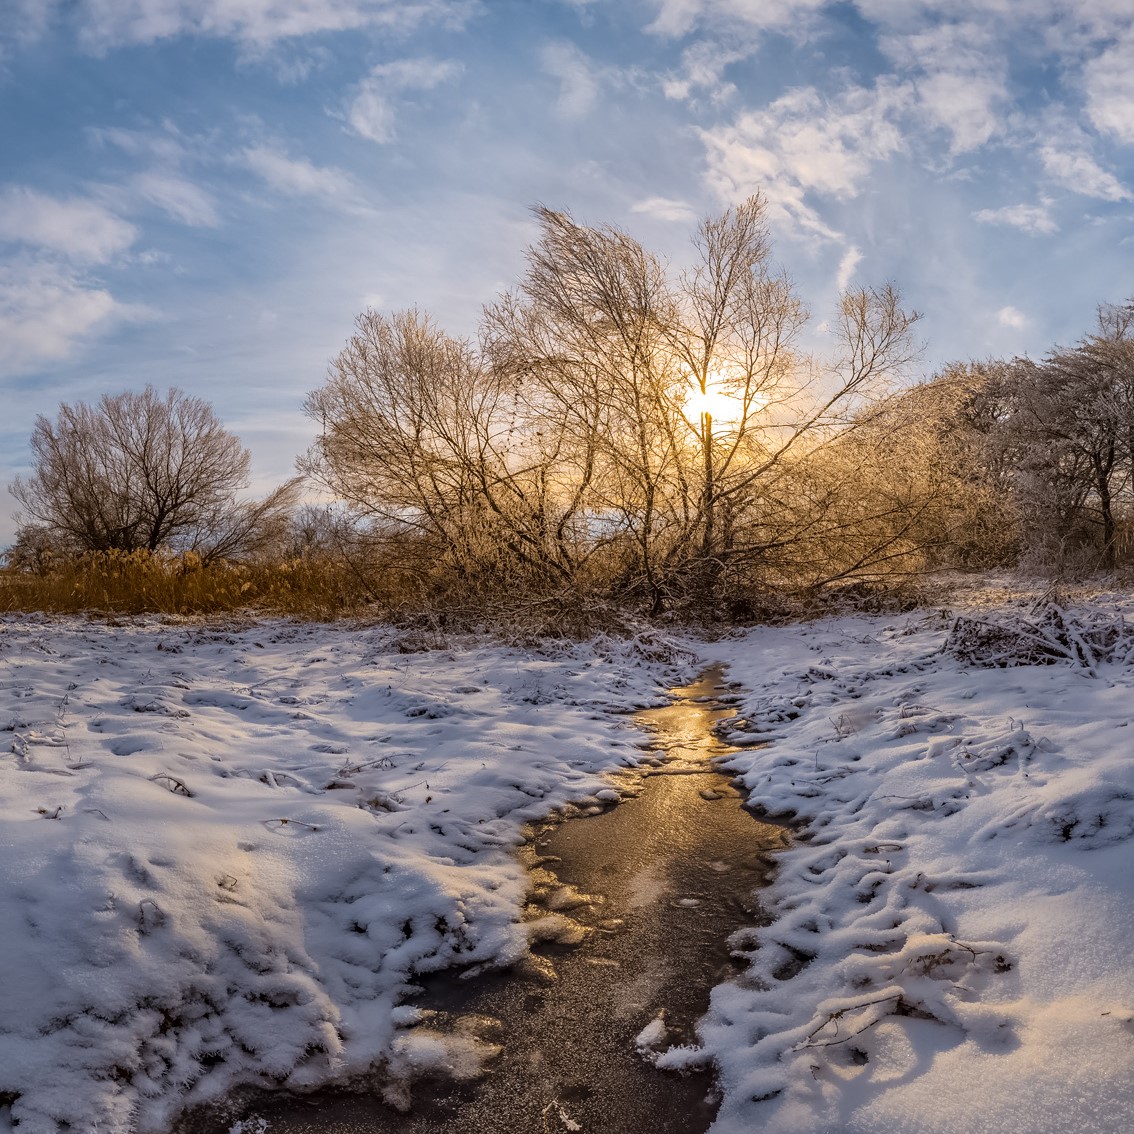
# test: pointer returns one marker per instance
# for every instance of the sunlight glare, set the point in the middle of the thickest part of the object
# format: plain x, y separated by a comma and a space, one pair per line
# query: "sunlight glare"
724, 407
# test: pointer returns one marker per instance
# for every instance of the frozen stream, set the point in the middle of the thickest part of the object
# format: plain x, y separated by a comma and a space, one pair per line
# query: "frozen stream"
657, 884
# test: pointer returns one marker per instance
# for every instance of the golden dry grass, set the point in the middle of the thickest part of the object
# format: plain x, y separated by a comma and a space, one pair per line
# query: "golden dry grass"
140, 583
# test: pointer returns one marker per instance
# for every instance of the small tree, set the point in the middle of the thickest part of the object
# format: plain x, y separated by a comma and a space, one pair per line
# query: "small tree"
930, 463
144, 471
37, 550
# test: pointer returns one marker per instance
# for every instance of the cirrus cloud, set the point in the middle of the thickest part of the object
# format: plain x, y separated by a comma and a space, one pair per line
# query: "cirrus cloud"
102, 24
178, 197
373, 110
803, 144
297, 177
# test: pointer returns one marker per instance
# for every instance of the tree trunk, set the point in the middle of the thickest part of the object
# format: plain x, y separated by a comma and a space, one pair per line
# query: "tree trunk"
1106, 504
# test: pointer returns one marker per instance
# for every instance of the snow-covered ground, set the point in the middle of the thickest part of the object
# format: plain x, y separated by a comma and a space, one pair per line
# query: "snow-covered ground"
952, 949
225, 853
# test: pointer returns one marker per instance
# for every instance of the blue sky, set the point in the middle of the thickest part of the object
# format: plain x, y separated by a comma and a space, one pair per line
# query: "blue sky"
204, 193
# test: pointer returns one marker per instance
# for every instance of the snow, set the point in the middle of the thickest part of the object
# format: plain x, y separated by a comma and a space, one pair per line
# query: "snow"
226, 853
652, 1036
951, 939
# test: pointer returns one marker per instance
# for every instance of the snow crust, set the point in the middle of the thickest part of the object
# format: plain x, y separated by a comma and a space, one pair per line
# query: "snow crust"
951, 943
226, 854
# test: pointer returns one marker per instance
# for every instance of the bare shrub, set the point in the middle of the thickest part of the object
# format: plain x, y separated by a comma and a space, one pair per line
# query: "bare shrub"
1044, 634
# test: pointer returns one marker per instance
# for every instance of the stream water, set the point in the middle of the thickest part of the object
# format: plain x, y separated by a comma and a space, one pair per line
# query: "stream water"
655, 886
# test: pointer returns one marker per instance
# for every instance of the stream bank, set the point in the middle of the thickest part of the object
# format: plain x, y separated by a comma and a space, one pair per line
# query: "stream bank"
635, 905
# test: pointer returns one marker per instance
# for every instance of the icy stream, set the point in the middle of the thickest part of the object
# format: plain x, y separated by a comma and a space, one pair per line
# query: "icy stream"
636, 903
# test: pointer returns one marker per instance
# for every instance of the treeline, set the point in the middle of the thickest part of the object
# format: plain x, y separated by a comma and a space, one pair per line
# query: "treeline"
618, 435
1029, 464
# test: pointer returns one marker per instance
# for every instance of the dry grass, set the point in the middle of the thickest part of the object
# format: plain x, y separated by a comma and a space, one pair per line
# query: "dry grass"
395, 585
140, 583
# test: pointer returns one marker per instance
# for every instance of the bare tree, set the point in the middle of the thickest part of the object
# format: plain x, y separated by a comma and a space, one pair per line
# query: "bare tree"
581, 441
689, 394
1071, 438
423, 437
584, 343
144, 471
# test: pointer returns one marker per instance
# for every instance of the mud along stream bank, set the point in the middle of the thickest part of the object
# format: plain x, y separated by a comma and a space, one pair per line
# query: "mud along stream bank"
640, 902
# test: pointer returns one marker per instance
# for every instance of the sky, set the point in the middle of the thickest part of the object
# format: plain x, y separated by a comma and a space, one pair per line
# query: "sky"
205, 193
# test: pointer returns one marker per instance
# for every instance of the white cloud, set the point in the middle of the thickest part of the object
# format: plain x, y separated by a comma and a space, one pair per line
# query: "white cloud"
578, 80
45, 311
665, 209
1078, 171
848, 265
703, 65
48, 302
106, 23
1027, 218
26, 20
1109, 83
297, 177
963, 104
959, 71
804, 144
75, 227
955, 52
1011, 318
677, 18
372, 112
724, 32
181, 199
165, 184
165, 145
1044, 20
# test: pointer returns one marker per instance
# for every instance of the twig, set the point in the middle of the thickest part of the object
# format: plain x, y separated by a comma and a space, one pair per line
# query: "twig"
176, 786
835, 1016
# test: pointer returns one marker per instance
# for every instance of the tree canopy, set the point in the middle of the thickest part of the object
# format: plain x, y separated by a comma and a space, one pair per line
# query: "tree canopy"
144, 472
615, 422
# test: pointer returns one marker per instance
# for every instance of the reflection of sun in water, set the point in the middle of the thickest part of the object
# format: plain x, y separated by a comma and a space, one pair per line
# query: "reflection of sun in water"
724, 407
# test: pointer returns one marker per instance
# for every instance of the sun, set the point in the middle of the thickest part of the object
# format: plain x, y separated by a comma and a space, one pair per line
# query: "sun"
723, 406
